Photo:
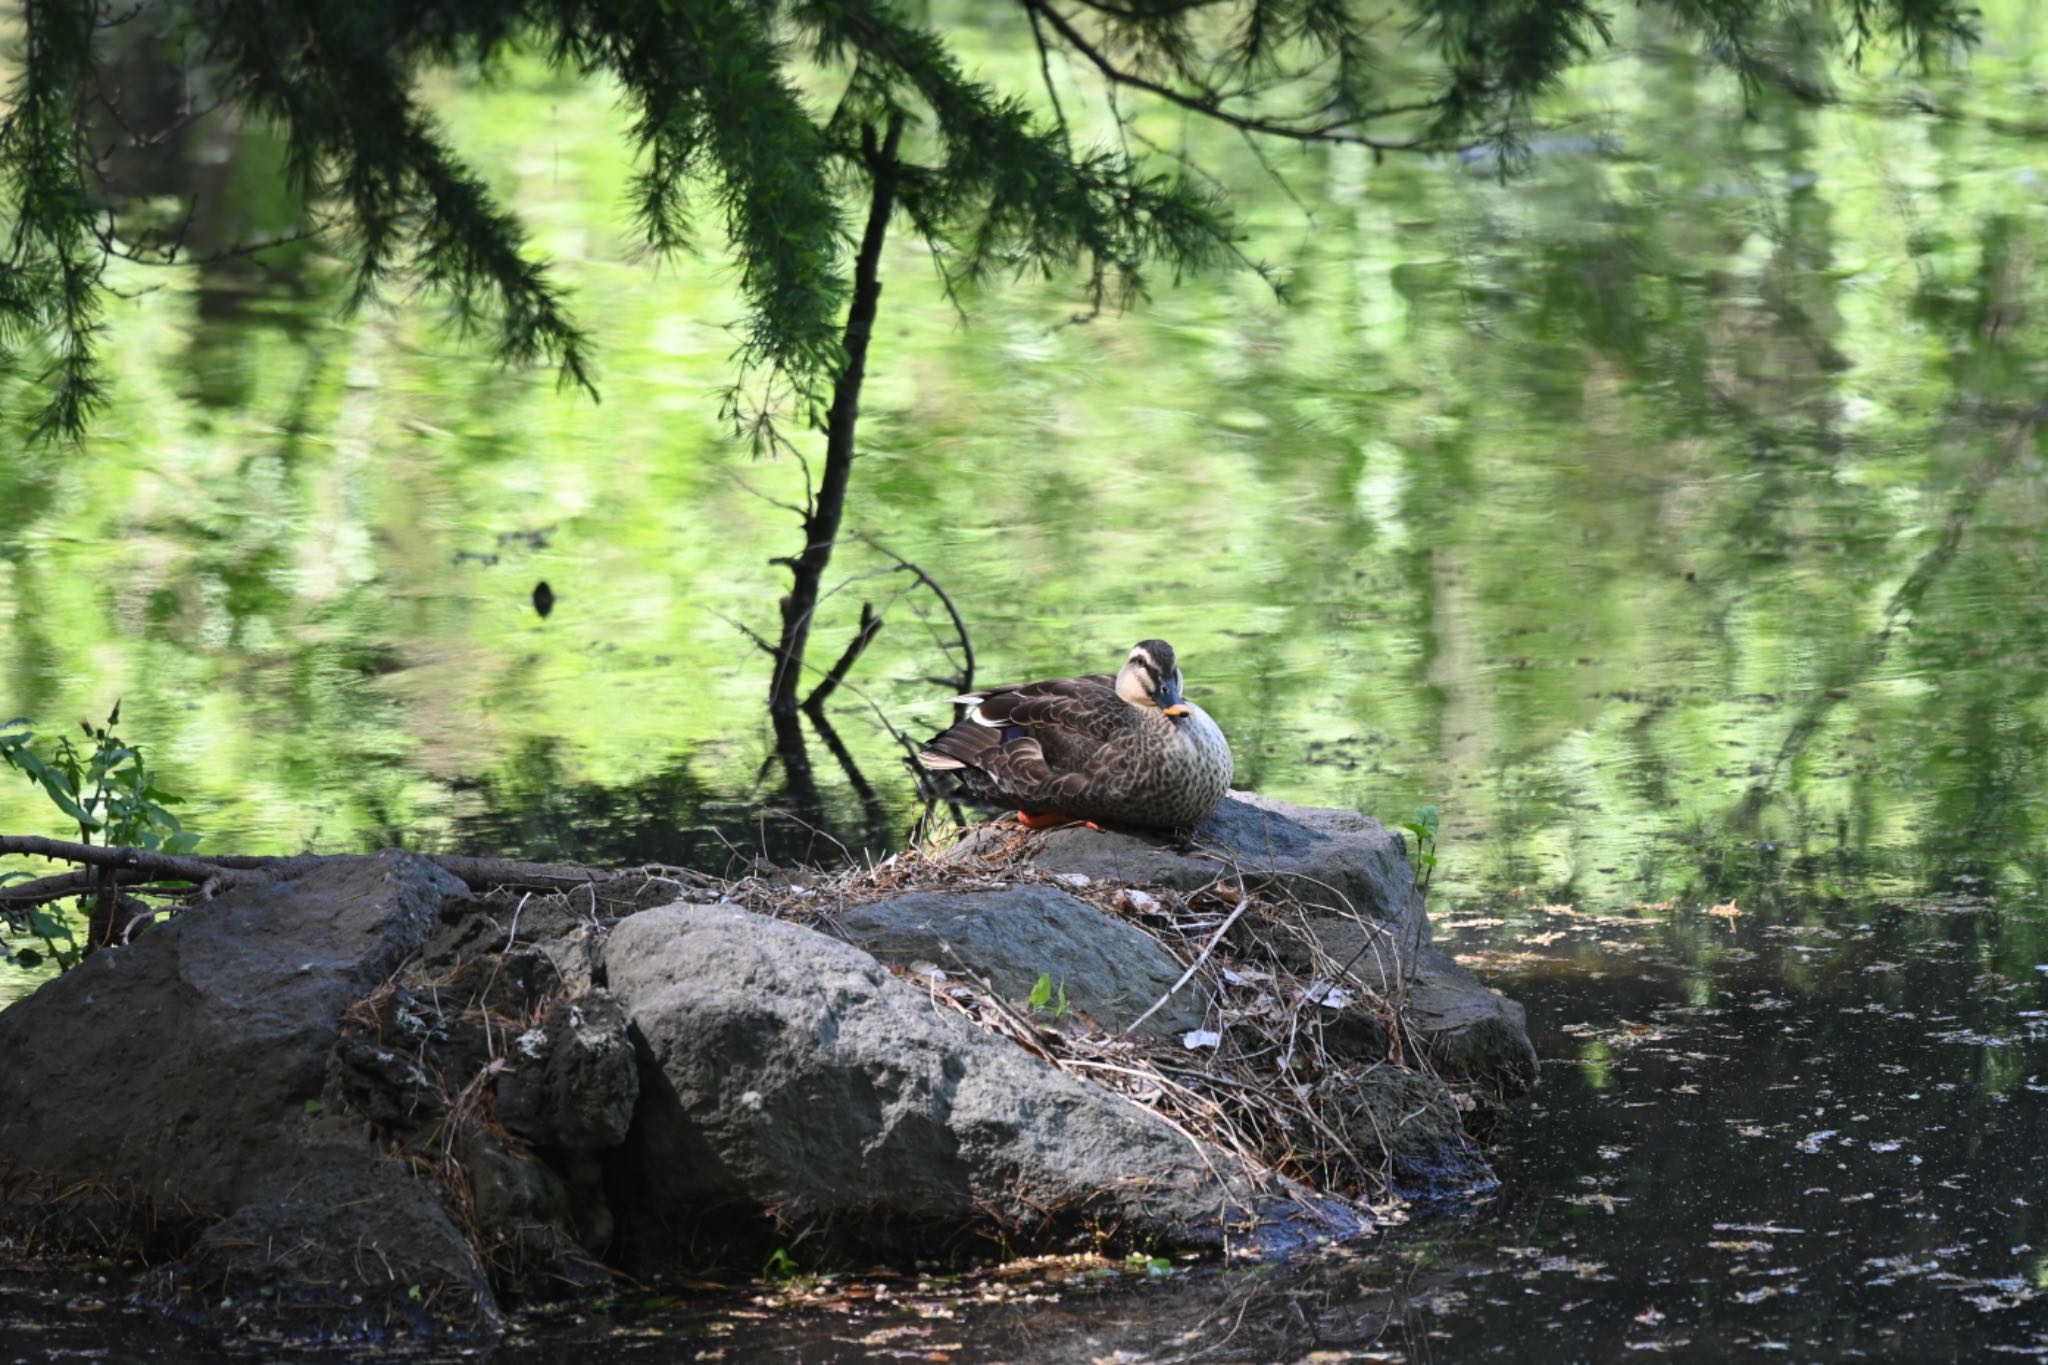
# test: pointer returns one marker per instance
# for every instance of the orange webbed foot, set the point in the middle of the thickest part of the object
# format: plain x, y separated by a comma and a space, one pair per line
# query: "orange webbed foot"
1049, 819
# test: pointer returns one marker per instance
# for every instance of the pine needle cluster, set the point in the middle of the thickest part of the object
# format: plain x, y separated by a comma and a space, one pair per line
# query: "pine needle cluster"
728, 142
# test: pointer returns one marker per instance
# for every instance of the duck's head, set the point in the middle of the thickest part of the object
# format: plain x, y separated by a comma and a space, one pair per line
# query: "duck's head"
1151, 678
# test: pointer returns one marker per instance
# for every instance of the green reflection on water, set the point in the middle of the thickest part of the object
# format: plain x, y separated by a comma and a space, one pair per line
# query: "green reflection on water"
1669, 515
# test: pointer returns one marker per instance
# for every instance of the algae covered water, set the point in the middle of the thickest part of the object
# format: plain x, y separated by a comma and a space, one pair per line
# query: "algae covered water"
1671, 516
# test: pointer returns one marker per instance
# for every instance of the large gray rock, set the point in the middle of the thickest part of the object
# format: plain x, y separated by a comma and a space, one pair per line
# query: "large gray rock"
1332, 861
1352, 892
173, 1076
1111, 970
789, 1072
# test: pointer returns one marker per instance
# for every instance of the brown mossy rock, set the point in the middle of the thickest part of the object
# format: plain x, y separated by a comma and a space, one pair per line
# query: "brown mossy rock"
503, 1115
576, 1079
561, 1068
1411, 1120
1349, 889
789, 1074
1111, 971
526, 1219
180, 1076
485, 1065
480, 929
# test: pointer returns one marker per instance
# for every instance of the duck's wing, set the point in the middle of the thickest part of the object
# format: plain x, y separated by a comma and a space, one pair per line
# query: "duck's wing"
1031, 742
1082, 706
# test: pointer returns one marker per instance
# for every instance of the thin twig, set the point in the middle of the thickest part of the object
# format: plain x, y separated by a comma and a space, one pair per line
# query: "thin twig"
945, 600
1244, 901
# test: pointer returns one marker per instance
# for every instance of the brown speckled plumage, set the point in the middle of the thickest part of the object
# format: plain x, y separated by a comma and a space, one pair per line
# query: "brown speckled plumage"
1094, 747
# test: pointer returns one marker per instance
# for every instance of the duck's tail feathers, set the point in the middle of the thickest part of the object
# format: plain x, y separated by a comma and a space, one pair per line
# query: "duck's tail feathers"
959, 747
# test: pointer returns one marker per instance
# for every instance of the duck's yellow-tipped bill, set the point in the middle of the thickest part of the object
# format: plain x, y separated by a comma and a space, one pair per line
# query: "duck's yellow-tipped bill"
1177, 709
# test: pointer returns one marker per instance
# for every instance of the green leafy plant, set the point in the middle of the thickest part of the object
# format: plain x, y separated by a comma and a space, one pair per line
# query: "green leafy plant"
1423, 857
106, 789
43, 924
781, 1267
1422, 861
1044, 995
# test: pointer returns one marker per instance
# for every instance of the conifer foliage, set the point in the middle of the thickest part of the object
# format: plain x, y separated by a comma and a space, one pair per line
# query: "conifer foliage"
729, 144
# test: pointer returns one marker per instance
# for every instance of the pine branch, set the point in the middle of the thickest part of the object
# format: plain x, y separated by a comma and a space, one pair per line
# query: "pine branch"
717, 115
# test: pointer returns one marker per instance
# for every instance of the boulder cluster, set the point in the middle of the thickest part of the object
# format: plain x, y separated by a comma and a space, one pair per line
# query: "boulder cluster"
364, 1099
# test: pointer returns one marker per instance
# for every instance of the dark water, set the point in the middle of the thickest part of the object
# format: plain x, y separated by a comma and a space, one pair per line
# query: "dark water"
1671, 516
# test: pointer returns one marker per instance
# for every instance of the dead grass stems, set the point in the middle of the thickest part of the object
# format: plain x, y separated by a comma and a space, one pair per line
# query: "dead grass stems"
1290, 1037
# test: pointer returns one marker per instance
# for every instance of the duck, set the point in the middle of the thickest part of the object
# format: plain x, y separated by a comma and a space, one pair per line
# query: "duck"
1129, 749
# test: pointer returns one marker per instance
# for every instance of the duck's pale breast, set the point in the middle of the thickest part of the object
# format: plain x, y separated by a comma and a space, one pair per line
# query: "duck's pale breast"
1172, 772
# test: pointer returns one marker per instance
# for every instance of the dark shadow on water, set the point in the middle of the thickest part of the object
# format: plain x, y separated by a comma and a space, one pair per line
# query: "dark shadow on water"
532, 809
